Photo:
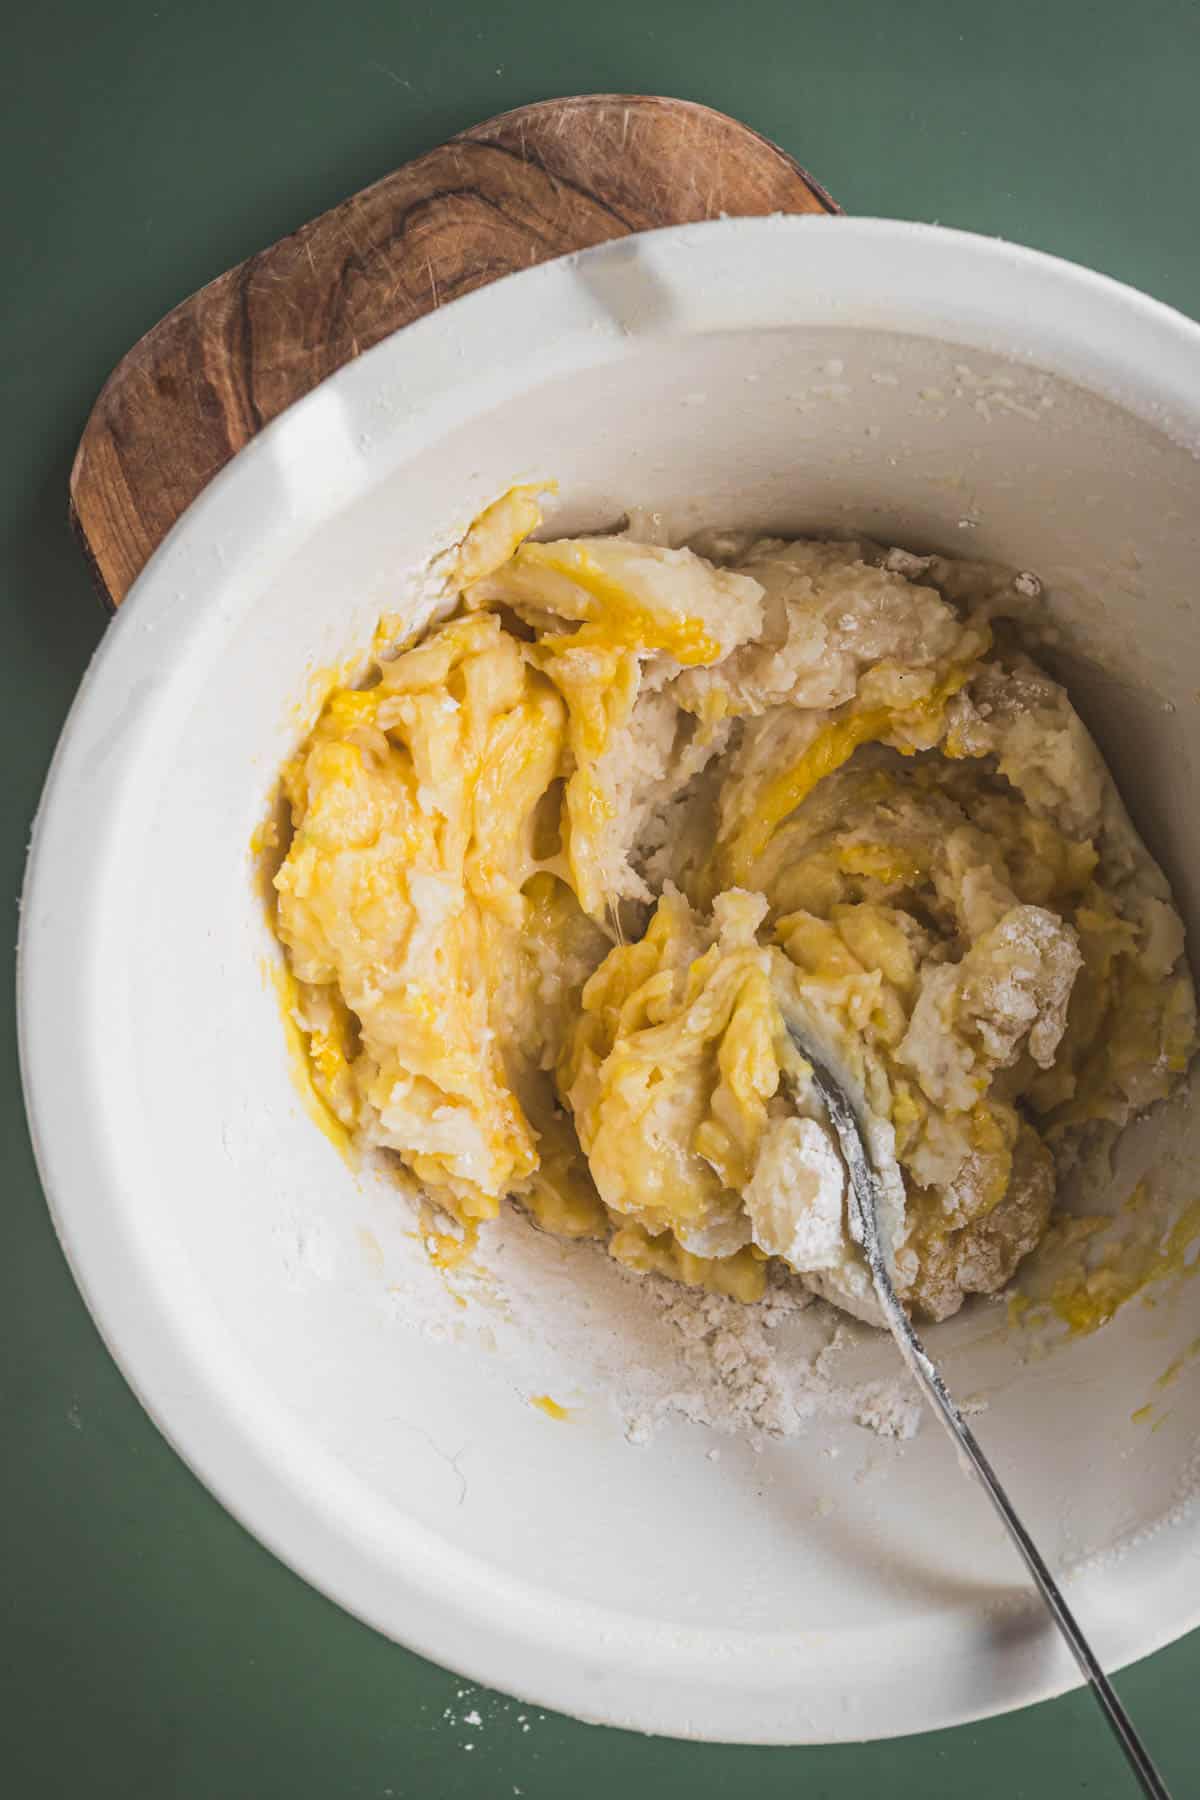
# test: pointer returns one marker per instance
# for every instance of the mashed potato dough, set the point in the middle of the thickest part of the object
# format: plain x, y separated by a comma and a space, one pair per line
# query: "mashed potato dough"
560, 871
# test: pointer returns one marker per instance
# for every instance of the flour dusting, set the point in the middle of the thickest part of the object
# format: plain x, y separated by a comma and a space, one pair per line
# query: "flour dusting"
564, 1317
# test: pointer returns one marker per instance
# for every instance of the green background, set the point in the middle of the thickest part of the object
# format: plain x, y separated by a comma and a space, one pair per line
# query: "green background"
149, 1646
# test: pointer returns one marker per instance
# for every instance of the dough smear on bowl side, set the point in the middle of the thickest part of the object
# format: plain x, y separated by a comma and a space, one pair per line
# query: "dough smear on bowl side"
559, 871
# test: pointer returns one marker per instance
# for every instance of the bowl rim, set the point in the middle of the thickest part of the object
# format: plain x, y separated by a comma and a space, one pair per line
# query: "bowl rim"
1108, 336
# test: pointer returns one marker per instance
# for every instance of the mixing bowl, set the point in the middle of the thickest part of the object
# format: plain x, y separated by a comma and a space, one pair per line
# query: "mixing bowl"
270, 1305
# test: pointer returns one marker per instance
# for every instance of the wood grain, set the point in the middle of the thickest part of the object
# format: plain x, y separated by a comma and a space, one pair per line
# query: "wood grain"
522, 188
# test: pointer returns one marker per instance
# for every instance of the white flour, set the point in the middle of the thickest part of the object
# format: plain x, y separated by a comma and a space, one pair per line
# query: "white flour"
563, 1319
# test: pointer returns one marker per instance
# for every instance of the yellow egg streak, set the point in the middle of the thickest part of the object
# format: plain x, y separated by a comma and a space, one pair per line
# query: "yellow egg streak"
550, 1407
830, 749
304, 1059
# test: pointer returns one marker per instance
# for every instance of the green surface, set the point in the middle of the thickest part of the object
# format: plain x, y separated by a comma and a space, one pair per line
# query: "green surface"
150, 1647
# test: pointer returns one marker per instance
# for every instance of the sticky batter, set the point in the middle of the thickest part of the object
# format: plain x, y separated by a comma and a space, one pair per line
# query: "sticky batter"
560, 871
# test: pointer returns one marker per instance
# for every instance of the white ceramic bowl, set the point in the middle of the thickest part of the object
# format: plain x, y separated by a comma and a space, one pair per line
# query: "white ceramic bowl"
921, 385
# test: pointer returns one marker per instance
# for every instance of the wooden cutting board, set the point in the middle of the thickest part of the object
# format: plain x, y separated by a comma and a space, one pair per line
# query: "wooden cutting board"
522, 188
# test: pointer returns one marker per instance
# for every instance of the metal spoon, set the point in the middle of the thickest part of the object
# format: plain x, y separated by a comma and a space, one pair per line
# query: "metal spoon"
864, 1228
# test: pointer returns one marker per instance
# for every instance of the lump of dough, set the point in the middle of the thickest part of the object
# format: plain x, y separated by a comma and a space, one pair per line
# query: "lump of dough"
795, 1198
1009, 992
677, 1051
827, 616
982, 1255
614, 621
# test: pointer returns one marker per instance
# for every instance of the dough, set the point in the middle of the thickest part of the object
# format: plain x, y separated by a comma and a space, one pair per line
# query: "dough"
560, 871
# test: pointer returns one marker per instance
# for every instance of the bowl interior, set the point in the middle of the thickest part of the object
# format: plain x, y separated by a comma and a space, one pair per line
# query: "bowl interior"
276, 1310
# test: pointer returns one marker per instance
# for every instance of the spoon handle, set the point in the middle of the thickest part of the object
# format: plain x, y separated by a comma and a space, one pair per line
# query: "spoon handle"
1106, 1696
864, 1228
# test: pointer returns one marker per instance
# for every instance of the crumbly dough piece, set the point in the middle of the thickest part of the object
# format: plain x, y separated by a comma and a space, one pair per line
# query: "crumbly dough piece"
561, 873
